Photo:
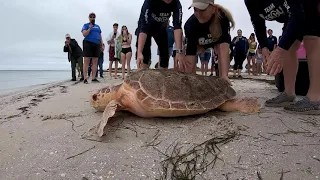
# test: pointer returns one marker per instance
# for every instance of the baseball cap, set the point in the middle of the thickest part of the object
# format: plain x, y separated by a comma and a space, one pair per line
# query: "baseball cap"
201, 4
68, 35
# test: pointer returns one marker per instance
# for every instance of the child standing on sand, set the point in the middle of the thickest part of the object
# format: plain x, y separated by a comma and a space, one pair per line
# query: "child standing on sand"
259, 61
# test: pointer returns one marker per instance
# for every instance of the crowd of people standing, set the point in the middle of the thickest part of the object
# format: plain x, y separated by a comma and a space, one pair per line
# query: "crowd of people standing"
209, 27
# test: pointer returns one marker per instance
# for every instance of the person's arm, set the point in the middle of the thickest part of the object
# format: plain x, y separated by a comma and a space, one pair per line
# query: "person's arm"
223, 46
191, 49
85, 30
65, 48
144, 24
129, 39
294, 27
259, 24
177, 22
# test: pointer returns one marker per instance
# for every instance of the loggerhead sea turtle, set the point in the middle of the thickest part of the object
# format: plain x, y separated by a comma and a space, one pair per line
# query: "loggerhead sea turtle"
168, 93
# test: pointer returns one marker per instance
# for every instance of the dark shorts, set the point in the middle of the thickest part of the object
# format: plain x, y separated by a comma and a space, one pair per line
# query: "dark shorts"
90, 49
111, 53
126, 50
312, 17
205, 57
251, 54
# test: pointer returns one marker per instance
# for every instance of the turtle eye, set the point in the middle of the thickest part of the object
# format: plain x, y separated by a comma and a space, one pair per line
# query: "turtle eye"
94, 97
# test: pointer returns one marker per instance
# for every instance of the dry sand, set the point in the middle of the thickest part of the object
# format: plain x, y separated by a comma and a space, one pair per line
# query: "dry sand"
41, 138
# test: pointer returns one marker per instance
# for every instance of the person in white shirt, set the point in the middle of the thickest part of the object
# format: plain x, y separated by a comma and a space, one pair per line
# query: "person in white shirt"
111, 40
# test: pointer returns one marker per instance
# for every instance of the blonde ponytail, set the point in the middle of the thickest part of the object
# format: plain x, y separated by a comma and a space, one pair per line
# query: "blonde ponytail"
215, 26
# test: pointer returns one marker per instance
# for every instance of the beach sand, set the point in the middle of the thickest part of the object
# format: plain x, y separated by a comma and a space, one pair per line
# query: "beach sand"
42, 137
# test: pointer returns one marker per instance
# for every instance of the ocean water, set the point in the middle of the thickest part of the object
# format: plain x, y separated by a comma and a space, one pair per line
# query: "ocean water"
14, 80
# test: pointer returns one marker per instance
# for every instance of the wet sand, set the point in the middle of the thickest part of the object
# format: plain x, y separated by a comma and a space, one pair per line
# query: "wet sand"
41, 137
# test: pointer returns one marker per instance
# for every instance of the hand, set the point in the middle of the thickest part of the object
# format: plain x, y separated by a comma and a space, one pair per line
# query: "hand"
226, 78
139, 59
180, 60
265, 56
90, 25
237, 39
275, 61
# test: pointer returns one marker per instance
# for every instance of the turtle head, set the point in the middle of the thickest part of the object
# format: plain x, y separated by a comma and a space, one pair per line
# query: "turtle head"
101, 99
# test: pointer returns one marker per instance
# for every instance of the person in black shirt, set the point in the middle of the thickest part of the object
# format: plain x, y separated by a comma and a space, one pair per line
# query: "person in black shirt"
301, 20
75, 56
272, 41
208, 27
241, 47
153, 22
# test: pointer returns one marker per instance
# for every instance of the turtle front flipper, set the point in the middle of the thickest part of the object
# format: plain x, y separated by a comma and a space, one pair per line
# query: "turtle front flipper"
245, 105
108, 113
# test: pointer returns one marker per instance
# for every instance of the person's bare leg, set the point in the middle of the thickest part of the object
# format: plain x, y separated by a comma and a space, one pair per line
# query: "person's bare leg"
94, 67
206, 68
254, 66
290, 68
202, 68
85, 67
312, 45
110, 68
123, 64
249, 64
212, 67
116, 69
128, 58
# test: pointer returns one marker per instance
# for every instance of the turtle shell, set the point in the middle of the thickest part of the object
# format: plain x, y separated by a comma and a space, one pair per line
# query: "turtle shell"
171, 89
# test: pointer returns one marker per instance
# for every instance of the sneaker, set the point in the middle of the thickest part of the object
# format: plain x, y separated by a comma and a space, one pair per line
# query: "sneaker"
304, 106
73, 79
281, 100
95, 80
85, 81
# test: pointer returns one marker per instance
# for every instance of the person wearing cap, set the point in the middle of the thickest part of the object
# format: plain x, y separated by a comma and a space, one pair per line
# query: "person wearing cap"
208, 27
91, 46
75, 56
301, 22
153, 22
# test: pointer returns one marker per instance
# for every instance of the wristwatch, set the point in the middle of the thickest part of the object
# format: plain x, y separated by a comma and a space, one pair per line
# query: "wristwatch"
179, 51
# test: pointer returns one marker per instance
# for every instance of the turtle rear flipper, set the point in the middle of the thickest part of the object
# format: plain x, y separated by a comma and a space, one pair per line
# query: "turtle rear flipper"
245, 105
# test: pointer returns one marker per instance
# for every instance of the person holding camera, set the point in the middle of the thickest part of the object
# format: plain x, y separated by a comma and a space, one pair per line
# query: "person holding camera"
91, 46
75, 56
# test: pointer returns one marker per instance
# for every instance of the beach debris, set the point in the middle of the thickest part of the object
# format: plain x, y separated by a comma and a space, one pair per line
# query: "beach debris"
193, 161
70, 157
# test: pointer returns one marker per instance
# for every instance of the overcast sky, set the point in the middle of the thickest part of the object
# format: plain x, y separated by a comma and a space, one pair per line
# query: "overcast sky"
32, 31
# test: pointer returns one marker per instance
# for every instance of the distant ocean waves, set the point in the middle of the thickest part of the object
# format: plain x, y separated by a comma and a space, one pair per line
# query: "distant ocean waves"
15, 80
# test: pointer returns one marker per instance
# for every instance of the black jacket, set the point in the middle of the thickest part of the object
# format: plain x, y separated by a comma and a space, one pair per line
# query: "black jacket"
73, 49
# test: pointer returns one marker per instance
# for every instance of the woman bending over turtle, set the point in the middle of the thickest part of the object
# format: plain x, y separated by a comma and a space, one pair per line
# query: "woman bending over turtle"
126, 51
153, 22
208, 27
301, 21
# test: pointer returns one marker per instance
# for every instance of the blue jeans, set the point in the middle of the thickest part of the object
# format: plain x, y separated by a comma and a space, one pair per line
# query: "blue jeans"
100, 67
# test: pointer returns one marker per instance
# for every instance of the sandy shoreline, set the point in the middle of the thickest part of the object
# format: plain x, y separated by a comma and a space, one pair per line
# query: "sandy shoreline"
40, 138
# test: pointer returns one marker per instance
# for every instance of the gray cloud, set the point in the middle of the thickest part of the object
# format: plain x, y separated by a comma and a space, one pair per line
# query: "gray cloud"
32, 32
